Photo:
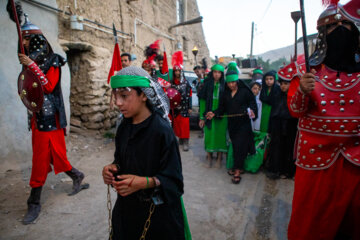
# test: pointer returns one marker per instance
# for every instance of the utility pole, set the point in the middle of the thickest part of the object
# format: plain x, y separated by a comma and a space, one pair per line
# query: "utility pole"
252, 39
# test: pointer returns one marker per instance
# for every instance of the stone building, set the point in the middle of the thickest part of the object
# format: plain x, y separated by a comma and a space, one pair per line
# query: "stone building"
89, 51
88, 45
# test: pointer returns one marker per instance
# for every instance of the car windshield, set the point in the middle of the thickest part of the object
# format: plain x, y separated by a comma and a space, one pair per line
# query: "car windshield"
191, 78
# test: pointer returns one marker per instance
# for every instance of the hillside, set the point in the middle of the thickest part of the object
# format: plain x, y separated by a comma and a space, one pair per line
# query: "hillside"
286, 52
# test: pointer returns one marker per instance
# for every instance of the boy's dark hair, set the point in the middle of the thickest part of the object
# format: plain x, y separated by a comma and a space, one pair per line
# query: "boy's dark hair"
283, 80
197, 67
138, 92
255, 83
159, 57
126, 55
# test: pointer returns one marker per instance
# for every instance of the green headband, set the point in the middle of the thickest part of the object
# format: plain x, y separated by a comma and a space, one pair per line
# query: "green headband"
119, 81
258, 71
232, 73
231, 77
217, 67
232, 65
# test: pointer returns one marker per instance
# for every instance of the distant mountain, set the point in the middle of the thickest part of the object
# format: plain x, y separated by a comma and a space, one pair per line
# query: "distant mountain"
288, 51
285, 52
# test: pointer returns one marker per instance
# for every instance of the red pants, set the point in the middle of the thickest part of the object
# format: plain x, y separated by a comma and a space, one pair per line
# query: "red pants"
181, 126
326, 202
48, 148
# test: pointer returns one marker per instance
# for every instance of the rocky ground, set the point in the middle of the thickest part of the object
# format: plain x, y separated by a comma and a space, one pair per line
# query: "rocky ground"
257, 208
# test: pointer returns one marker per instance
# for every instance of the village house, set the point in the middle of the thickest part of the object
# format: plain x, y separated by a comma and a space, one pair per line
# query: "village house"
81, 31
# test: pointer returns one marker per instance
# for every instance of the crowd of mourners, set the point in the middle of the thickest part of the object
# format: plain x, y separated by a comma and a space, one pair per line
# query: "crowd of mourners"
246, 124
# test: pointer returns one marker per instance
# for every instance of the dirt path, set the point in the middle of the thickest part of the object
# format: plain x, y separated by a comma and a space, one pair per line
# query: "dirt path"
258, 208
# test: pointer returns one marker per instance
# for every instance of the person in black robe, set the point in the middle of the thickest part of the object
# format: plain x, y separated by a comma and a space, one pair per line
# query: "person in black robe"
269, 94
147, 171
239, 103
282, 129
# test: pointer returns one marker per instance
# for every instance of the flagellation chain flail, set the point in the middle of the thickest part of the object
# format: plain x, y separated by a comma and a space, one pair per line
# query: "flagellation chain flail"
109, 207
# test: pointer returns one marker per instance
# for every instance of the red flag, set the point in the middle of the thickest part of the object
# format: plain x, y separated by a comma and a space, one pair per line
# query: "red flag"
116, 62
165, 67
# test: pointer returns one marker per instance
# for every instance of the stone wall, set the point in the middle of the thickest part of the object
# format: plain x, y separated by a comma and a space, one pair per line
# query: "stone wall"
89, 51
90, 94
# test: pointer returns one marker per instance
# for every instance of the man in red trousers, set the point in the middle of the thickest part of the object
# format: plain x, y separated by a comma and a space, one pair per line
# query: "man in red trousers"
48, 125
326, 203
180, 115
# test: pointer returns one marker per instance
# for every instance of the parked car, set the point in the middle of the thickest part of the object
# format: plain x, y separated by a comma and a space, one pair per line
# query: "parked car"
194, 116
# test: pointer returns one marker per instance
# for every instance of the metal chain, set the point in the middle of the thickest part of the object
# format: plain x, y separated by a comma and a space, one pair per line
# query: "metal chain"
148, 221
109, 207
233, 115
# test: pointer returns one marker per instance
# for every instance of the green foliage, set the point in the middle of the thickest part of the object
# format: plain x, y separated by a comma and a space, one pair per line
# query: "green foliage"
264, 65
109, 135
275, 65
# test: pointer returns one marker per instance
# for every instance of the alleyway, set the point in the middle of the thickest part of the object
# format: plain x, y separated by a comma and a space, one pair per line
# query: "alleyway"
258, 208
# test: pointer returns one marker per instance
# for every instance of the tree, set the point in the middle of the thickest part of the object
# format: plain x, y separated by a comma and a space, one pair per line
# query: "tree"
281, 62
264, 65
275, 65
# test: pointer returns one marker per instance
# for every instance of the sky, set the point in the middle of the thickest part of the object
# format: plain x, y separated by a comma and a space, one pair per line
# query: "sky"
227, 24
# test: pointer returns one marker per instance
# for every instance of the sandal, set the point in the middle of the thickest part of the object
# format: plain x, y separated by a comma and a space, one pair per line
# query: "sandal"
231, 172
236, 179
282, 176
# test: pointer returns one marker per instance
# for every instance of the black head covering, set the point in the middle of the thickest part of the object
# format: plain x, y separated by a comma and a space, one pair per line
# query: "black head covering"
342, 45
270, 73
254, 83
283, 80
337, 49
242, 84
206, 93
274, 92
42, 54
209, 83
39, 50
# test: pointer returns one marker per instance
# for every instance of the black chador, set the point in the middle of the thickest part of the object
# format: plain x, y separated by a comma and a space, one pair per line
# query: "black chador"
282, 129
239, 125
149, 149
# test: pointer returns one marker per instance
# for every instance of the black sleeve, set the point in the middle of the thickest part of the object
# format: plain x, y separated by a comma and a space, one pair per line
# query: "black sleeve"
222, 106
117, 148
264, 97
202, 93
273, 97
252, 104
170, 174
